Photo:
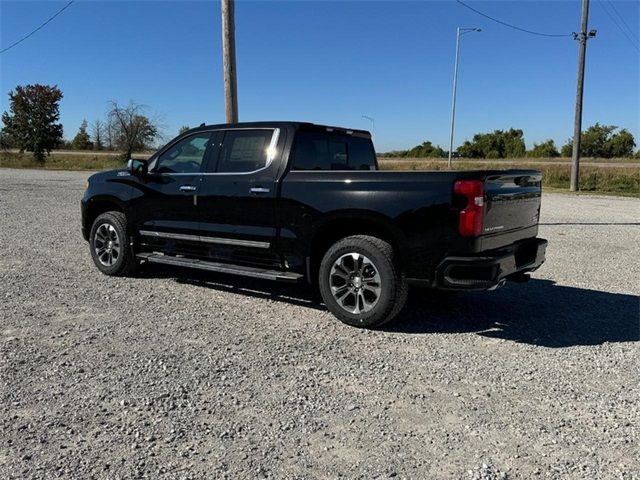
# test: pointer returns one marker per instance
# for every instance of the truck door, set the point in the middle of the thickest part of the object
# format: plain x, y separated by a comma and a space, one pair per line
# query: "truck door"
236, 199
166, 207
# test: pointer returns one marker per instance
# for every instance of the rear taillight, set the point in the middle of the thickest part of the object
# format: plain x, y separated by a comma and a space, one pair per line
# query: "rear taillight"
471, 218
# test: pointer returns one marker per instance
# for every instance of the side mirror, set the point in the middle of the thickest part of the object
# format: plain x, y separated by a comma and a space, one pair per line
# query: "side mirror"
137, 167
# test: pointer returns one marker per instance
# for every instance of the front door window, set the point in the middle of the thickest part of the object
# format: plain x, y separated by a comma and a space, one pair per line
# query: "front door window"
186, 156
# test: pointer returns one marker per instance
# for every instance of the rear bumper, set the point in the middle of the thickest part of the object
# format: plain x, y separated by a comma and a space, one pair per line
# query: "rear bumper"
489, 270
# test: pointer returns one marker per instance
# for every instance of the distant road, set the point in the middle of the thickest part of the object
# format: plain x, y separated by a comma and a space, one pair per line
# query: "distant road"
589, 162
97, 153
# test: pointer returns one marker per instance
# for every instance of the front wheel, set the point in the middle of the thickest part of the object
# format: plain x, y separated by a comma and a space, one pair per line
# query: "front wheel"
360, 282
111, 245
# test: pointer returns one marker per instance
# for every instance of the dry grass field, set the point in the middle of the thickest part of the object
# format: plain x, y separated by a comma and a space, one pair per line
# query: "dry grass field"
66, 160
611, 176
597, 175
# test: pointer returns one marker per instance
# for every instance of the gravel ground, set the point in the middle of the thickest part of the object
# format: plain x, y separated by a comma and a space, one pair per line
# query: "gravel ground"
178, 374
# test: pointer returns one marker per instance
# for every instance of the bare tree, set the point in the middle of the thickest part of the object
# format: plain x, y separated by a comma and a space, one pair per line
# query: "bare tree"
110, 133
132, 129
98, 134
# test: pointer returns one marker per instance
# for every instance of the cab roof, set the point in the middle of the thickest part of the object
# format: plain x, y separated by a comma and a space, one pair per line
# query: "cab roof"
307, 126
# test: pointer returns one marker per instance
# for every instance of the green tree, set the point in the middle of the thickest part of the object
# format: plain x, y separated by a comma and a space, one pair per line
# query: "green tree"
82, 141
621, 144
567, 149
469, 150
6, 141
394, 154
425, 150
603, 141
498, 144
32, 123
183, 129
594, 140
545, 149
513, 141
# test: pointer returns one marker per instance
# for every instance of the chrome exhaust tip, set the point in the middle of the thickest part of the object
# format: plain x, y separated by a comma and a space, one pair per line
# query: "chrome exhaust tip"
498, 285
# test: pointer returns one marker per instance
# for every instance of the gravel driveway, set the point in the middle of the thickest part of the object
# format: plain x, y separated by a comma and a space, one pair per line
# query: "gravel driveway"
179, 374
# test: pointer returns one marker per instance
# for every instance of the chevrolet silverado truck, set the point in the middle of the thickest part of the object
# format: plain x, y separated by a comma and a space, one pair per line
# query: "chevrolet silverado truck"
298, 202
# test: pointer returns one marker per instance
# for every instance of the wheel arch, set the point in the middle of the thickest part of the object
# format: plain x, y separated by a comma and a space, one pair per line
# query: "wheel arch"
97, 206
345, 224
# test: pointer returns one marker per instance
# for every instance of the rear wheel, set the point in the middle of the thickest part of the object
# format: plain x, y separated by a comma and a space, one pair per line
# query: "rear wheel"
360, 282
111, 245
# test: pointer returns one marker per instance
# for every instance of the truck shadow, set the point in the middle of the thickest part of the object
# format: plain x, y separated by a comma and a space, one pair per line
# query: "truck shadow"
588, 223
539, 312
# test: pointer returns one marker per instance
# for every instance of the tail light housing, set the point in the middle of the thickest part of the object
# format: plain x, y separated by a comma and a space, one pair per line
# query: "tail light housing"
471, 219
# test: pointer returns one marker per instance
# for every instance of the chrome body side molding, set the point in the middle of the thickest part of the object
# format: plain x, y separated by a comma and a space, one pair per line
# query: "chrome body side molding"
205, 239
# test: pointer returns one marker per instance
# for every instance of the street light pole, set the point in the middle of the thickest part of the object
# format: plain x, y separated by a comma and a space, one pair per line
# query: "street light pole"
453, 101
373, 122
459, 33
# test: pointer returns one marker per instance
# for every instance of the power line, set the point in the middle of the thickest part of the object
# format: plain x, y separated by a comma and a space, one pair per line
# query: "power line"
633, 42
40, 27
617, 24
513, 26
617, 12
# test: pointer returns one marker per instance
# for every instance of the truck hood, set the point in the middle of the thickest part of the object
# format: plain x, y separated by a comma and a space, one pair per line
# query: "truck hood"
108, 175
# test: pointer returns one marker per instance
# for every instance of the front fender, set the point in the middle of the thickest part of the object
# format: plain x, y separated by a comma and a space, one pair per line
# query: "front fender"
102, 197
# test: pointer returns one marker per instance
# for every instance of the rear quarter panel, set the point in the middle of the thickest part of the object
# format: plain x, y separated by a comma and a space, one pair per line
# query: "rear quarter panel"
416, 207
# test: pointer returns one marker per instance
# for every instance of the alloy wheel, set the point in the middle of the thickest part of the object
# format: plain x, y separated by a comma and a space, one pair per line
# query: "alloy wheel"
355, 283
107, 244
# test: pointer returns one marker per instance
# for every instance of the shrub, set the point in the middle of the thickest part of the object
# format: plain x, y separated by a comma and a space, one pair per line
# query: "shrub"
544, 150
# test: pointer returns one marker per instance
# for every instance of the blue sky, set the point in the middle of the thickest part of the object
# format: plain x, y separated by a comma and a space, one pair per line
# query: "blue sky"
331, 62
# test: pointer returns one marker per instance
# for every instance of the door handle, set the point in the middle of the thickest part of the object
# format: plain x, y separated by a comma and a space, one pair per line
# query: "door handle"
187, 188
259, 190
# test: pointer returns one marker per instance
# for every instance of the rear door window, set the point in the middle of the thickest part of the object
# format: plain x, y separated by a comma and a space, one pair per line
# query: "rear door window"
244, 151
325, 151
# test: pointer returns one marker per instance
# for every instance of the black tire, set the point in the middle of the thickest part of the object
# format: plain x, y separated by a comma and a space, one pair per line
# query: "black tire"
392, 285
125, 261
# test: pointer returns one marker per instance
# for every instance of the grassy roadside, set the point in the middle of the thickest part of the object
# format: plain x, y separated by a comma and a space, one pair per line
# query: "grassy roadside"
410, 160
610, 179
65, 161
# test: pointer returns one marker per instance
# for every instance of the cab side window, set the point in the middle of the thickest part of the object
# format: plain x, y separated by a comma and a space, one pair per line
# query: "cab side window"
186, 156
325, 151
244, 151
362, 156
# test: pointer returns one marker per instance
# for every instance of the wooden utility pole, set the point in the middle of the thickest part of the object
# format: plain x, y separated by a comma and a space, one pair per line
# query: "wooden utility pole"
229, 61
582, 37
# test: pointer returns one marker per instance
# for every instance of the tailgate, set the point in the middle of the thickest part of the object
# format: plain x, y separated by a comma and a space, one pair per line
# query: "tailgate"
512, 203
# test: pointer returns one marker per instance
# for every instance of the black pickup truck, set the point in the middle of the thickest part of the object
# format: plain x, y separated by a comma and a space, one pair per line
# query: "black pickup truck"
293, 202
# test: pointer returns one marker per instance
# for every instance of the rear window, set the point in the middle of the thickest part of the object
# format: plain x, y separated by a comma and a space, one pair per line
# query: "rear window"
325, 151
